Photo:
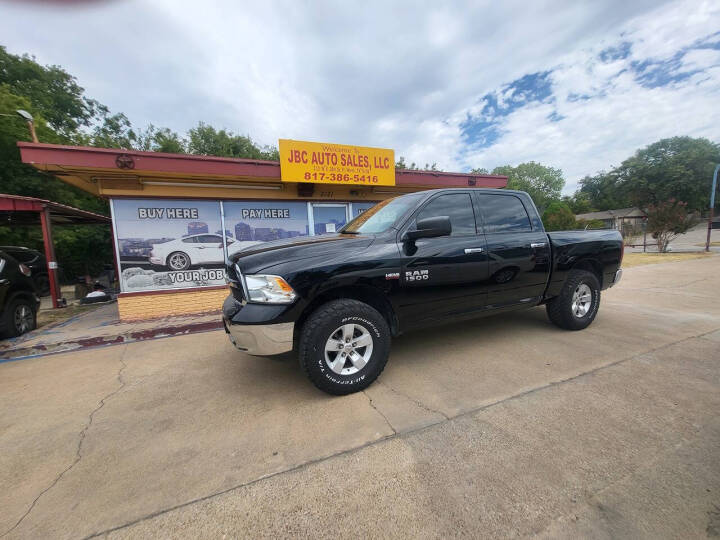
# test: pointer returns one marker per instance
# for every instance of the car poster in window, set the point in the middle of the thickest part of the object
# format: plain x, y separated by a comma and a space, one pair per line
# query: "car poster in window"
168, 243
262, 221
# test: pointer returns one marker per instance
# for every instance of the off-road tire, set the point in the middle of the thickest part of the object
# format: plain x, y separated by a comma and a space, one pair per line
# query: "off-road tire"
320, 326
559, 309
8, 327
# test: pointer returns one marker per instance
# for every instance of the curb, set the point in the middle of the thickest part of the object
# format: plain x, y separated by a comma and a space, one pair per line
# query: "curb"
104, 341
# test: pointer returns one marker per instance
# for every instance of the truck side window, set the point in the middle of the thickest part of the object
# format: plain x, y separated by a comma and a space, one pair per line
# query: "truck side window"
504, 213
457, 206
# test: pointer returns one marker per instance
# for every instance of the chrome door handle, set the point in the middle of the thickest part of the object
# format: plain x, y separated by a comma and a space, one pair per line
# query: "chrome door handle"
474, 250
538, 245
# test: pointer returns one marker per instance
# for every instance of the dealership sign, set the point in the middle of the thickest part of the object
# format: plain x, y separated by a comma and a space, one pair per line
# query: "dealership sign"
325, 163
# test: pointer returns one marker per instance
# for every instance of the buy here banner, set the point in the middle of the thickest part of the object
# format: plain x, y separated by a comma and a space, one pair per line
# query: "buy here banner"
327, 163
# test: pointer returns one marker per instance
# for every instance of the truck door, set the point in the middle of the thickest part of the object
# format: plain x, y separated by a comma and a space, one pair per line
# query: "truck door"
518, 251
443, 277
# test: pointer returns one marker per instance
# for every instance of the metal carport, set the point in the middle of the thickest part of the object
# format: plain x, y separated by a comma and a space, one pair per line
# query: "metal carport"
16, 210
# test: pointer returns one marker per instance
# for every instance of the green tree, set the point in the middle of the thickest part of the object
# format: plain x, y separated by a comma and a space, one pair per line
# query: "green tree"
113, 131
207, 141
63, 114
578, 202
59, 110
162, 140
54, 93
668, 219
544, 184
676, 168
604, 191
402, 165
558, 217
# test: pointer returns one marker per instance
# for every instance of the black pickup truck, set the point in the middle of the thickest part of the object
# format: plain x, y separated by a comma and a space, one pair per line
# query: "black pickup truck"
417, 260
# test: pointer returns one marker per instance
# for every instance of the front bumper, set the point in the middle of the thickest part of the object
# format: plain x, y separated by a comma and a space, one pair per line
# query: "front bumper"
261, 339
617, 278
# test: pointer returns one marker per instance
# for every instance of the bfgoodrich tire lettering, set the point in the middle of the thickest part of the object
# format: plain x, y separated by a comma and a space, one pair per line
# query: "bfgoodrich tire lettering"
564, 311
324, 328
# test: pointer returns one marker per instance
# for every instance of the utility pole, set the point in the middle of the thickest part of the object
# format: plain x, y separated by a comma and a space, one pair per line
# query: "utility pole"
712, 206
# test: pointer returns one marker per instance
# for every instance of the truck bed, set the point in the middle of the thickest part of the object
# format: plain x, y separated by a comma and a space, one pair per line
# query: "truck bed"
600, 250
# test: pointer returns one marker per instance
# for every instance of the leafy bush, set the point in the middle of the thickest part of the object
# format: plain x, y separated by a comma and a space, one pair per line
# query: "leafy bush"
558, 217
667, 220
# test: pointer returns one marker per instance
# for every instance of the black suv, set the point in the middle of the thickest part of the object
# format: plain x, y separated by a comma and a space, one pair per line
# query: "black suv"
36, 262
18, 301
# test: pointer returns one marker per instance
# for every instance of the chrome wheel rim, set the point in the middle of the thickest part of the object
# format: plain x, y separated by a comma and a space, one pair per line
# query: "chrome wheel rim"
178, 261
23, 318
348, 349
581, 300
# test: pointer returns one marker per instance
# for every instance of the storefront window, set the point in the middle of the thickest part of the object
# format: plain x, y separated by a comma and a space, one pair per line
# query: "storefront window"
168, 244
252, 222
178, 244
359, 207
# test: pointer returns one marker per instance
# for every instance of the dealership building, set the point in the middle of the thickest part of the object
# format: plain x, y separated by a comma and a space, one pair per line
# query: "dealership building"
176, 217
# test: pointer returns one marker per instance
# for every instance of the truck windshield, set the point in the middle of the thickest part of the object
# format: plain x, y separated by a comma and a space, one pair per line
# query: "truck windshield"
382, 216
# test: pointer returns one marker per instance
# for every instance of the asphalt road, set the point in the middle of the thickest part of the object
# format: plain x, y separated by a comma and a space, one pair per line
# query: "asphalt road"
494, 428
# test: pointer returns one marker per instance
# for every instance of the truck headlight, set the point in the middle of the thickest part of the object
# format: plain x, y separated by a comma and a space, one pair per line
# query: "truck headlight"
269, 290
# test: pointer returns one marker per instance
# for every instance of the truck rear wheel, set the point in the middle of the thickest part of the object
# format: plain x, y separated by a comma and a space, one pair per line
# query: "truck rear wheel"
578, 302
344, 346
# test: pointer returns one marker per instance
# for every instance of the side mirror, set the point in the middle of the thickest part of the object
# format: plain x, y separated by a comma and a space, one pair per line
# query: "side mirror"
430, 228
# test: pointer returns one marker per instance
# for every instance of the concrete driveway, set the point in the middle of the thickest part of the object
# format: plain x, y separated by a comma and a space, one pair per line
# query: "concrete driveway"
498, 427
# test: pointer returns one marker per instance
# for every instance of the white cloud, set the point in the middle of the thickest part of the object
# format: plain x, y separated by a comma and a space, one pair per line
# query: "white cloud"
621, 114
401, 74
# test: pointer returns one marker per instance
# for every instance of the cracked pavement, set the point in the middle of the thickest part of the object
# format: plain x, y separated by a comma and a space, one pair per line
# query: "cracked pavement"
497, 427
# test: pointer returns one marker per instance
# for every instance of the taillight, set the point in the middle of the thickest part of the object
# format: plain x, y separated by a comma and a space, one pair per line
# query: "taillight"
25, 270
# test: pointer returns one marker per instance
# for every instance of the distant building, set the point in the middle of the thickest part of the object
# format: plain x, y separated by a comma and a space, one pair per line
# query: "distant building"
266, 234
198, 227
616, 219
244, 232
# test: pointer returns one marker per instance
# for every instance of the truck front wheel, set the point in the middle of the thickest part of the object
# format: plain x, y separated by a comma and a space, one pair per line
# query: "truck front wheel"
578, 302
344, 346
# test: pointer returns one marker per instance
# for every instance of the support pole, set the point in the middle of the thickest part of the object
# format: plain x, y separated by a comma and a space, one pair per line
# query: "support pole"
116, 265
712, 207
50, 256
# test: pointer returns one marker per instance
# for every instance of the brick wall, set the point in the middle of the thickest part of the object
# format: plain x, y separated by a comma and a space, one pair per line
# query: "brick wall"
166, 303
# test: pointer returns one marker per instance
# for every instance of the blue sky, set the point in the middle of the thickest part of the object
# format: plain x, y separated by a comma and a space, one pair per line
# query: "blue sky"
576, 85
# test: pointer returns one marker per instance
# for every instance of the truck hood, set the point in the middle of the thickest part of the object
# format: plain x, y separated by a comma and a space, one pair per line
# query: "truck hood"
253, 259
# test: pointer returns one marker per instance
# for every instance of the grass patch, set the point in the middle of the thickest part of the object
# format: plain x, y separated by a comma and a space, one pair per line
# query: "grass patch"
51, 316
639, 259
714, 244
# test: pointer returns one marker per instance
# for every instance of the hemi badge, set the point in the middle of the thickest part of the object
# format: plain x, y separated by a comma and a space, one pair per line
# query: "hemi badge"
392, 275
